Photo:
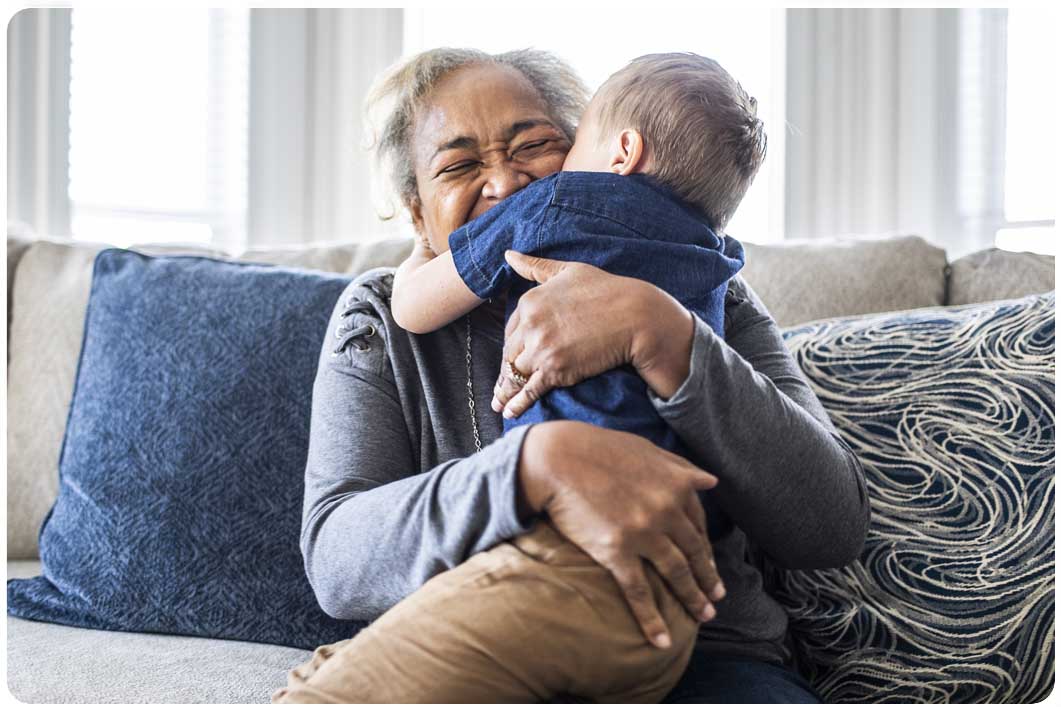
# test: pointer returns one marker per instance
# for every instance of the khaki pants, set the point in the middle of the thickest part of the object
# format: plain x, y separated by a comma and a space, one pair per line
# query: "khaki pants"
527, 620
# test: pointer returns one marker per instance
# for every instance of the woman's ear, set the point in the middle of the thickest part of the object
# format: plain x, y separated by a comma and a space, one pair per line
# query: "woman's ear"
629, 156
416, 213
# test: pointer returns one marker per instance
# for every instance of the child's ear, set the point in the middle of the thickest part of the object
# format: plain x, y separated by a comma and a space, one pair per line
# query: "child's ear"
629, 156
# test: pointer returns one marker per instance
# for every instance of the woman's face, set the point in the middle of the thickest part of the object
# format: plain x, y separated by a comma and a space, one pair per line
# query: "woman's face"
484, 135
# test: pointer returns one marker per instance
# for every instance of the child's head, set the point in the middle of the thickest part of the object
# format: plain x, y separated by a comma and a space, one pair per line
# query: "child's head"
681, 118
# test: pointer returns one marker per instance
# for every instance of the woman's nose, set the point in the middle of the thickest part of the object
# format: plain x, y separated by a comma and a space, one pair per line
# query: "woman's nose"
504, 180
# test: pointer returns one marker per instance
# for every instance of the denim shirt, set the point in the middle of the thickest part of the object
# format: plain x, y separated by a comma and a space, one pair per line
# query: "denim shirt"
631, 226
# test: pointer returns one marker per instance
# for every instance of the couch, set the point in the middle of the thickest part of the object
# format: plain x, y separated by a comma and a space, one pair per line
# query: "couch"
48, 289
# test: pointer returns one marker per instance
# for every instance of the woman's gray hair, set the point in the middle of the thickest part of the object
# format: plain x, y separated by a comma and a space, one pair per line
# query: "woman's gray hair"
400, 91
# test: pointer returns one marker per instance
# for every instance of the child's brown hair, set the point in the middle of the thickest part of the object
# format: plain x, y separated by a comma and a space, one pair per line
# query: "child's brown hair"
699, 125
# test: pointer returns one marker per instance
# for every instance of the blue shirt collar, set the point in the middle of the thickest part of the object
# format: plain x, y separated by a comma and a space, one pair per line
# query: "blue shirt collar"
640, 202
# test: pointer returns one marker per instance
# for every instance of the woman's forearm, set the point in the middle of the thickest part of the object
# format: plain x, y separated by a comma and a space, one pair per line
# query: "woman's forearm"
662, 343
375, 525
750, 417
367, 548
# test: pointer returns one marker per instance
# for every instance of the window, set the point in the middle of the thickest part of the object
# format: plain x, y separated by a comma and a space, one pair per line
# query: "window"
1030, 176
749, 43
158, 125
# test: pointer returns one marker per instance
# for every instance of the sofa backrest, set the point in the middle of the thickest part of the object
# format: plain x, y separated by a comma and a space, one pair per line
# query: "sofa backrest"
799, 281
994, 274
803, 280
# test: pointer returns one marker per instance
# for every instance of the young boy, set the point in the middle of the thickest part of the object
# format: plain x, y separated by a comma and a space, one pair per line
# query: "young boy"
642, 194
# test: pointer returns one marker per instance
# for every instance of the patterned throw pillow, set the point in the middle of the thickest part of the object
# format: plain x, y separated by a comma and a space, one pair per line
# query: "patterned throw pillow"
181, 473
951, 411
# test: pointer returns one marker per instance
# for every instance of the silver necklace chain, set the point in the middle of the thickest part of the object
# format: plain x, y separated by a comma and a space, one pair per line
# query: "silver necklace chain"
471, 393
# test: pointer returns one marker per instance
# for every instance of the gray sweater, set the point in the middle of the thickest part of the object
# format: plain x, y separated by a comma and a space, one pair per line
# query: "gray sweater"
395, 492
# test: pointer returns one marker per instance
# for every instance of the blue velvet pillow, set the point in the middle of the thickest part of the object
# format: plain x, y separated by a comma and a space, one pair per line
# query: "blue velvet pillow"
951, 411
181, 472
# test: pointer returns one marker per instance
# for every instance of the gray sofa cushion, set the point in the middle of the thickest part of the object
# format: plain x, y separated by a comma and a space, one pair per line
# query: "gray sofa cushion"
52, 663
51, 289
800, 281
44, 339
999, 274
16, 246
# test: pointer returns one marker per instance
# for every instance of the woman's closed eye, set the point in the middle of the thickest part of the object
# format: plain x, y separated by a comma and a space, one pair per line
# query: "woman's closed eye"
457, 168
531, 149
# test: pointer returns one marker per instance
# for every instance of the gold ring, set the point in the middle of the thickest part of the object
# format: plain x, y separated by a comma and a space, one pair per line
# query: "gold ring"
517, 377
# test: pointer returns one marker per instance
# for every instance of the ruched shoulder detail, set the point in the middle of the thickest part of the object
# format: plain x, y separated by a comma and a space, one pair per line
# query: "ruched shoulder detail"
357, 332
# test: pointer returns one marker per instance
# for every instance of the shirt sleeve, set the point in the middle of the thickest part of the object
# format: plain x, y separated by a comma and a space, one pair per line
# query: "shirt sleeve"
374, 526
749, 415
479, 246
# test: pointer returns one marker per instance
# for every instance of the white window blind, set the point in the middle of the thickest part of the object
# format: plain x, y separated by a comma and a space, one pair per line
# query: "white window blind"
748, 42
1030, 184
158, 125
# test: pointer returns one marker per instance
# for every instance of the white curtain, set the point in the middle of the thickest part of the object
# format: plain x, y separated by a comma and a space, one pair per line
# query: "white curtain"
896, 124
38, 120
309, 178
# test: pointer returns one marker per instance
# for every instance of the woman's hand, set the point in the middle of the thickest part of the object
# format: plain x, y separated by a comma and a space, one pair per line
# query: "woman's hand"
581, 321
624, 500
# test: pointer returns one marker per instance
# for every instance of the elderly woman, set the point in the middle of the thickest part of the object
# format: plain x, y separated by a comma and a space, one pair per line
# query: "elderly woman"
408, 474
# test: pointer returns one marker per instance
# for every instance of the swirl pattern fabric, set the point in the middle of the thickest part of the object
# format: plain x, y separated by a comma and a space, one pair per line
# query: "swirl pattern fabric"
952, 413
181, 474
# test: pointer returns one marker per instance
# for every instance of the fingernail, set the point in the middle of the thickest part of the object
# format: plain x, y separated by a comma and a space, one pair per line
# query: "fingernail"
495, 405
719, 592
708, 613
662, 640
507, 414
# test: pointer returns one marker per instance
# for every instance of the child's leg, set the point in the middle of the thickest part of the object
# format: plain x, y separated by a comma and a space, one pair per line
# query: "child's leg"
523, 621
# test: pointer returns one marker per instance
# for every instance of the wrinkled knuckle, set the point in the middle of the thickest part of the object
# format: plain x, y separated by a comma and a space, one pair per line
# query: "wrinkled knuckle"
638, 592
677, 570
551, 361
640, 521
613, 543
547, 378
701, 551
539, 344
664, 514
